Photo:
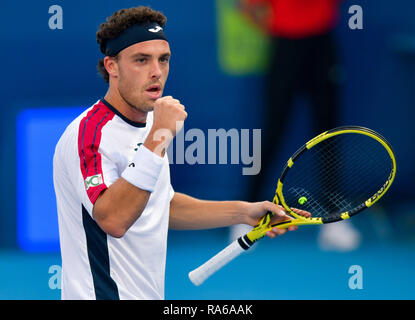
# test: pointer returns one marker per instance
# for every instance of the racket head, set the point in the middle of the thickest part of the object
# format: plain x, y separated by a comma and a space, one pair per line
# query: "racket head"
336, 175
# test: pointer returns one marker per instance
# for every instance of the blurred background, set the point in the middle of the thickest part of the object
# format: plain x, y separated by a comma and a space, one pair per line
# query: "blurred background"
225, 66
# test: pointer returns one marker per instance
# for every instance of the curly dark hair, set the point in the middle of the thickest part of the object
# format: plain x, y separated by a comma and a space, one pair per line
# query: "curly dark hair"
120, 21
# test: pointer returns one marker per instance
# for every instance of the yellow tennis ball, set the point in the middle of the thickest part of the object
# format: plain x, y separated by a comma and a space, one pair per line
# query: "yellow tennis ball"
302, 200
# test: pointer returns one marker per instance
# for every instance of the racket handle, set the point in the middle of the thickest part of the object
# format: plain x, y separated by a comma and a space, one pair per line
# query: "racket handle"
199, 275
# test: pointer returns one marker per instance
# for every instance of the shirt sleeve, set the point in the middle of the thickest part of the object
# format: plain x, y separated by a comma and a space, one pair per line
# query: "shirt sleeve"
96, 169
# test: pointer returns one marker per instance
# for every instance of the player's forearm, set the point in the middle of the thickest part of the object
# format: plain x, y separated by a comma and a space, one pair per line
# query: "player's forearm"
188, 213
118, 207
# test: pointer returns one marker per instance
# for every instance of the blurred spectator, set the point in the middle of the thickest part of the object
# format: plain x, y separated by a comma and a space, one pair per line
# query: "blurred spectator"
302, 60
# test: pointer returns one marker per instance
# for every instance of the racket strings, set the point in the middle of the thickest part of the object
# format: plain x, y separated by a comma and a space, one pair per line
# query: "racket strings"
337, 174
313, 203
338, 167
357, 178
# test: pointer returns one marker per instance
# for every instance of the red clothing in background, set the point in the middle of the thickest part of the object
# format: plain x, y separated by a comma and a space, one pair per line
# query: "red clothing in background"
300, 18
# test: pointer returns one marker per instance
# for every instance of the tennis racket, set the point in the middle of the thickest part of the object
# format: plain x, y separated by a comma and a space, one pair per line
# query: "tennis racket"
333, 176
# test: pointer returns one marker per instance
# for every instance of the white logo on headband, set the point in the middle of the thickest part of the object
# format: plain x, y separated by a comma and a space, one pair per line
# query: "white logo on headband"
156, 29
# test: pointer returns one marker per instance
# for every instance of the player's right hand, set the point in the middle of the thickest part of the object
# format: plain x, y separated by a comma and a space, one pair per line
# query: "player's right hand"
168, 118
169, 114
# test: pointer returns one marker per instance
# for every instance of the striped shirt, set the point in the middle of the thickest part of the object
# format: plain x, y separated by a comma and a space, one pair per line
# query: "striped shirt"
92, 153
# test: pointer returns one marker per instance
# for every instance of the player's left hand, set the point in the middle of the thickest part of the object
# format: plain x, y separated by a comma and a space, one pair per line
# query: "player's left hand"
257, 210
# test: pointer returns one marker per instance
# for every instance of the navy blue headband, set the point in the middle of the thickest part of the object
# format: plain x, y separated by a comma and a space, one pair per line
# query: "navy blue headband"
134, 34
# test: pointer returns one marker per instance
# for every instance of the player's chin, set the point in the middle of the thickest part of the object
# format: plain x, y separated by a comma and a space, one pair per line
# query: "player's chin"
149, 108
147, 105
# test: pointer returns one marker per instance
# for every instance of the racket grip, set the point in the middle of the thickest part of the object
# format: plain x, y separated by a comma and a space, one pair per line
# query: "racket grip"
199, 275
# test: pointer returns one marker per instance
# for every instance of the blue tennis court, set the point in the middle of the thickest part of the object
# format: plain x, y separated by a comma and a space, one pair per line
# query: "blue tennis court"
289, 267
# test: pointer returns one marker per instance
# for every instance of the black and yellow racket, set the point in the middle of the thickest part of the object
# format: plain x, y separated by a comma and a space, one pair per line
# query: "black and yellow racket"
333, 176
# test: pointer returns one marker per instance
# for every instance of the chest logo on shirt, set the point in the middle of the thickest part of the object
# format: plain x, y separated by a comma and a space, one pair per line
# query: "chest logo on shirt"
93, 181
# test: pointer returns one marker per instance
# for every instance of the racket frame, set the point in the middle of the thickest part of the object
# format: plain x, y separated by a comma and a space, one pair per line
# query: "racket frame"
260, 230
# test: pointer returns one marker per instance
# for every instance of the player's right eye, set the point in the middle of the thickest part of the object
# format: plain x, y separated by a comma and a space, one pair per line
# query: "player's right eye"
141, 60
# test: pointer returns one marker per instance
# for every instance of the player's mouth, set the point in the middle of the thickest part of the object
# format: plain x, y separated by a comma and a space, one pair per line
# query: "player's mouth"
154, 91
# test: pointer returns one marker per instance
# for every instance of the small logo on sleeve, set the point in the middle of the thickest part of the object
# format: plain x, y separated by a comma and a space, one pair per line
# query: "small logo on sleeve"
93, 181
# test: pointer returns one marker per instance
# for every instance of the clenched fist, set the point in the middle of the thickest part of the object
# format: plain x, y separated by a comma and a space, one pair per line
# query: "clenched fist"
169, 115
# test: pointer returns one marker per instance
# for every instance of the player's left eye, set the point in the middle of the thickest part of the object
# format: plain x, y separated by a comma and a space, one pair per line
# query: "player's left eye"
164, 59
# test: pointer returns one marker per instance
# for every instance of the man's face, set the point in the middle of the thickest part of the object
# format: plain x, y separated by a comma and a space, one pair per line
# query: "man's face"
142, 72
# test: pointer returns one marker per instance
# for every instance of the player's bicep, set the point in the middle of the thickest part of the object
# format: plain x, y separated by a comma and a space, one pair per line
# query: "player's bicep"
95, 174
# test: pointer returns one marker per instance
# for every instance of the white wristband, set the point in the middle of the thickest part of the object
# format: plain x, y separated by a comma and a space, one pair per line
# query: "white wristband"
144, 170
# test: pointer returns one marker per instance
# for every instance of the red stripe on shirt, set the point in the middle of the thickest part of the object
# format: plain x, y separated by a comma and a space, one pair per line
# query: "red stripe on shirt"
89, 139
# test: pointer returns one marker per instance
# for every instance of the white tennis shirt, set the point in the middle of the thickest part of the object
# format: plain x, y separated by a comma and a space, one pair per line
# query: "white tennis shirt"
91, 155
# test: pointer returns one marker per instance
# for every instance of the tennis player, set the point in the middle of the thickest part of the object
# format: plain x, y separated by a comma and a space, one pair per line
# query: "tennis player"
111, 173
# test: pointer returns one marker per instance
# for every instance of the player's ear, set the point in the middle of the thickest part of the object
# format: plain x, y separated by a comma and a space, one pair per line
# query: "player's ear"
111, 65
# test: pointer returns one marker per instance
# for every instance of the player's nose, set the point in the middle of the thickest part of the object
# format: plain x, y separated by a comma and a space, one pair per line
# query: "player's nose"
155, 70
